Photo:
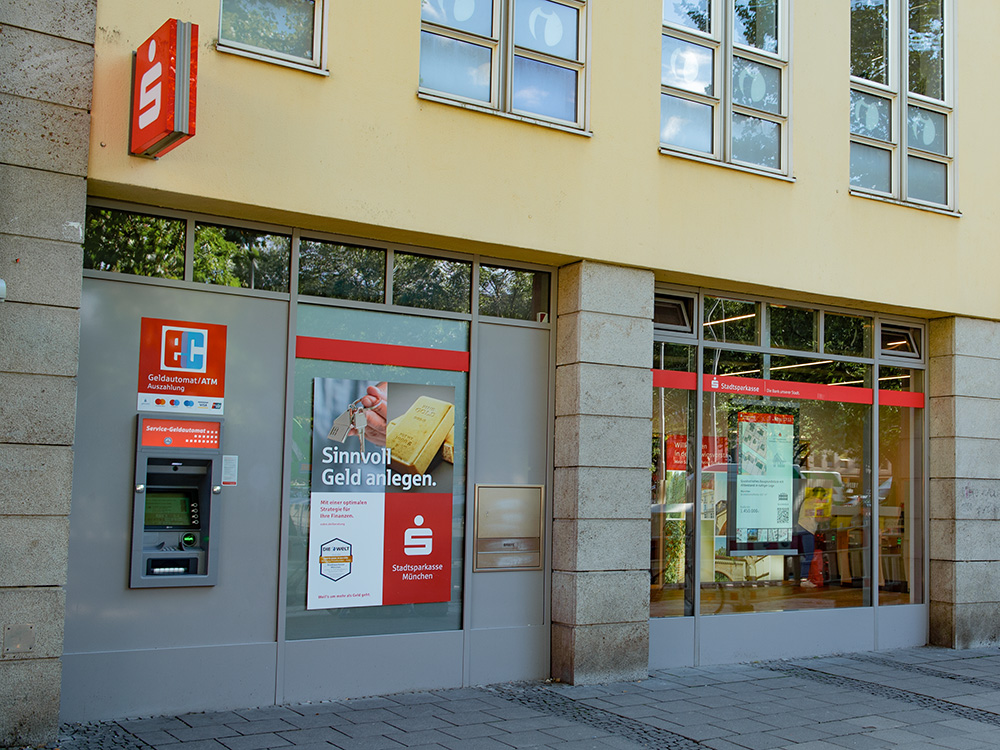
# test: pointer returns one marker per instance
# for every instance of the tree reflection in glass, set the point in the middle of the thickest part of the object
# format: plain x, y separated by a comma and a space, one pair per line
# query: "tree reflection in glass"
691, 14
870, 40
926, 48
755, 24
230, 256
284, 26
126, 242
756, 141
328, 269
431, 283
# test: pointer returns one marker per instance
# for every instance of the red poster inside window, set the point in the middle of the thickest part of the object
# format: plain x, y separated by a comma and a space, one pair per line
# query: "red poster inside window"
713, 451
417, 548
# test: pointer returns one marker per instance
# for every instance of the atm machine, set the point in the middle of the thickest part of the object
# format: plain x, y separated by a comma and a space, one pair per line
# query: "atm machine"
178, 470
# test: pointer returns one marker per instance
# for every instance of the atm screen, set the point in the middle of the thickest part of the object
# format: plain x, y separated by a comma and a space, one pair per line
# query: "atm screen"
169, 509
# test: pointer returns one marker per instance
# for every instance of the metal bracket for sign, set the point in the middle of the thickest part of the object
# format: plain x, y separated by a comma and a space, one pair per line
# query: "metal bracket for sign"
509, 526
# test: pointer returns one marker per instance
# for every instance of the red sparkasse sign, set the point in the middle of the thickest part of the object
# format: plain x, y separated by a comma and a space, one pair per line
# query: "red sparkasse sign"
164, 89
417, 548
182, 366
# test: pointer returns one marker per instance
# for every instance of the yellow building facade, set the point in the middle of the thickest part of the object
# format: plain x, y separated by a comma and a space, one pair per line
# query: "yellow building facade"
749, 329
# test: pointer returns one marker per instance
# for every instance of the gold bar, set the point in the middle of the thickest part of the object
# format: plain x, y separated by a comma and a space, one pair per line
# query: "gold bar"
448, 449
417, 436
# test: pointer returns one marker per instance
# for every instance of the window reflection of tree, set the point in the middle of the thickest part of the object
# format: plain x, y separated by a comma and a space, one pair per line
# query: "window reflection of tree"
230, 256
758, 23
341, 271
870, 40
431, 283
284, 26
126, 242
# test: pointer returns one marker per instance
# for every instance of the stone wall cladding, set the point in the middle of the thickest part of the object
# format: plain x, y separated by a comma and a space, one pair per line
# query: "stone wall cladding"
600, 595
964, 482
47, 59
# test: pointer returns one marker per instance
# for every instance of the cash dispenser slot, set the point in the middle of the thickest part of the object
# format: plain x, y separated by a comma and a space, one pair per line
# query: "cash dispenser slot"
172, 513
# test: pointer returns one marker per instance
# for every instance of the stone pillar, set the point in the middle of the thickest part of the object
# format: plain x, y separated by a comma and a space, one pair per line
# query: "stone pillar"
603, 433
47, 59
964, 388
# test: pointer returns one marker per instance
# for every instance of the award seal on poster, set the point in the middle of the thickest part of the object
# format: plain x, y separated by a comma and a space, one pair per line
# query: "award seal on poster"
335, 559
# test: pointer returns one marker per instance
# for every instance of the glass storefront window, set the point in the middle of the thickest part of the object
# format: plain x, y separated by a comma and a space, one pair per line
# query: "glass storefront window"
900, 487
233, 256
671, 549
793, 327
784, 519
847, 334
513, 293
329, 269
343, 382
134, 243
431, 283
731, 321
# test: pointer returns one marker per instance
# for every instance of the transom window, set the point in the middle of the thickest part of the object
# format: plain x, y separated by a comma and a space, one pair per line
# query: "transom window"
284, 31
522, 57
902, 138
724, 81
259, 259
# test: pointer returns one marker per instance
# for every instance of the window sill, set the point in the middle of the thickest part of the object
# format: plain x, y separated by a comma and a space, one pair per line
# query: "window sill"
906, 204
219, 47
726, 165
506, 115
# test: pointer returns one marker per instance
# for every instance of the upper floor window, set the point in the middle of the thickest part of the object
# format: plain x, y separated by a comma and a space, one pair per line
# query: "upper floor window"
522, 57
724, 81
902, 139
284, 31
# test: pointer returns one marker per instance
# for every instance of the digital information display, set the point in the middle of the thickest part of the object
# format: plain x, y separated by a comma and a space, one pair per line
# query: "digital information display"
168, 510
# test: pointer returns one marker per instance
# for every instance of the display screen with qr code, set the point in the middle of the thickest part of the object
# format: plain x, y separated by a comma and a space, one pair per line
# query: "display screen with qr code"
763, 484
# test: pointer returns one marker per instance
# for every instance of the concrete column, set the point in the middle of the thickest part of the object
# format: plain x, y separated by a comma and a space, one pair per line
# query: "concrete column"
47, 56
603, 433
964, 482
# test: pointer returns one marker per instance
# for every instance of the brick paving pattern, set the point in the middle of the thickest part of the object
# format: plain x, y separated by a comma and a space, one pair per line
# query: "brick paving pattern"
917, 699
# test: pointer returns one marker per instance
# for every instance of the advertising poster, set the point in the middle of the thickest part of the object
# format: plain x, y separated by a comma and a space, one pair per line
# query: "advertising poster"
182, 367
713, 451
380, 513
764, 482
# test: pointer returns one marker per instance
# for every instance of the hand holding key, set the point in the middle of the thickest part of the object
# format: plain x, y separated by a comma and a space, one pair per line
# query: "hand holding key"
376, 404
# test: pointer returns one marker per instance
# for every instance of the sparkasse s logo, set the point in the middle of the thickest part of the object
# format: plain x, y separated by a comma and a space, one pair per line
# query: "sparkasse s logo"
184, 349
164, 90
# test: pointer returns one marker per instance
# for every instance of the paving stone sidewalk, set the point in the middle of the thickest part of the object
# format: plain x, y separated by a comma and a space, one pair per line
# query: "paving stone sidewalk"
917, 699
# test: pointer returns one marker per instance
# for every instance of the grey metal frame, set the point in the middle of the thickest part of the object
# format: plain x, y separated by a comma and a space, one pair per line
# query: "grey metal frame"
299, 655
908, 622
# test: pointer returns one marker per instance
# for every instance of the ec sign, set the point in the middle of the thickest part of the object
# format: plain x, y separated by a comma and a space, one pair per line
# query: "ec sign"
182, 366
164, 89
184, 349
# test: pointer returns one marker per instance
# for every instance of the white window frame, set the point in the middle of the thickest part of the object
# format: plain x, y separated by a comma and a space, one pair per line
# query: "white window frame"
721, 40
317, 64
900, 98
502, 52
